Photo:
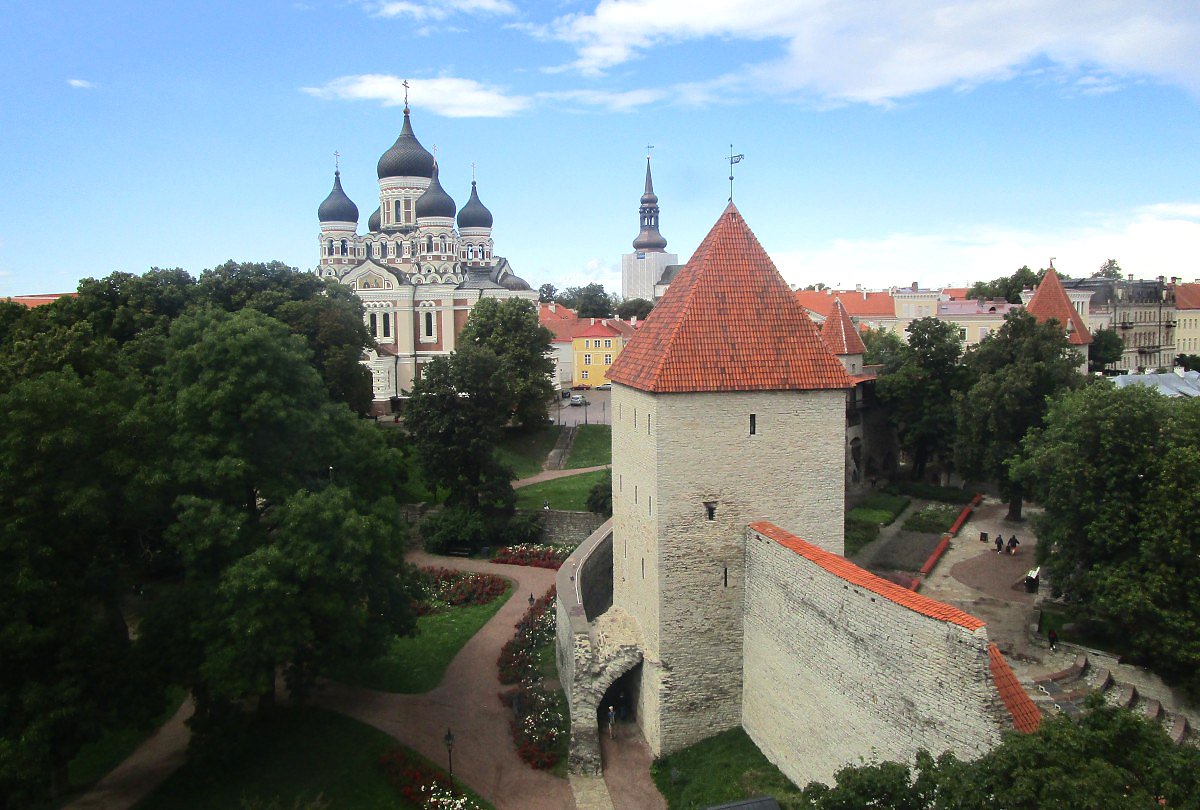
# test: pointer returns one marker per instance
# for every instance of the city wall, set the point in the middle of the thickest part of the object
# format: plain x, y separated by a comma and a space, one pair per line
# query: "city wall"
841, 665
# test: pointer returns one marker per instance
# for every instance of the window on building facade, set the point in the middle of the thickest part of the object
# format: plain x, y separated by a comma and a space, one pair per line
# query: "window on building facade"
753, 424
396, 211
345, 248
587, 359
407, 211
583, 375
962, 332
608, 344
330, 253
429, 324
710, 510
371, 323
608, 359
369, 256
387, 325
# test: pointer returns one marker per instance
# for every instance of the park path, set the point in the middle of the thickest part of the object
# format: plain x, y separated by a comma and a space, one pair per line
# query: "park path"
550, 475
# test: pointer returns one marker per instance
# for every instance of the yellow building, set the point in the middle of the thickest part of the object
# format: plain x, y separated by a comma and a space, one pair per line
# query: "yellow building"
595, 348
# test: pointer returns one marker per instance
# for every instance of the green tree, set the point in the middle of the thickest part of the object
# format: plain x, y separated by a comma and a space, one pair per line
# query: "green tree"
547, 292
454, 416
920, 390
1014, 372
1188, 362
1110, 269
1118, 471
883, 347
521, 345
1105, 349
599, 498
820, 285
590, 301
634, 308
250, 433
1109, 758
1007, 287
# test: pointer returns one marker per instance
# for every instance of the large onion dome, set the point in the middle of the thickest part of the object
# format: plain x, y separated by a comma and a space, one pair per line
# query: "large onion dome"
435, 202
373, 222
514, 283
474, 214
337, 207
406, 158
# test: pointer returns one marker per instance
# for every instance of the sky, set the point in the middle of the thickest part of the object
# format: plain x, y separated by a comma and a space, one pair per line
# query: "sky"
929, 141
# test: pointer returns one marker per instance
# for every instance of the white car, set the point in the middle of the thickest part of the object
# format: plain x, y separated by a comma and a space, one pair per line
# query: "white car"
577, 399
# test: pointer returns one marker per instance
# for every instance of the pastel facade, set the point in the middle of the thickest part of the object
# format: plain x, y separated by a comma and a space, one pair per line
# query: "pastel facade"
1187, 311
595, 348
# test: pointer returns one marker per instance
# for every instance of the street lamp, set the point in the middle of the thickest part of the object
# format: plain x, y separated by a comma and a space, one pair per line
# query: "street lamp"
585, 407
449, 741
331, 473
531, 601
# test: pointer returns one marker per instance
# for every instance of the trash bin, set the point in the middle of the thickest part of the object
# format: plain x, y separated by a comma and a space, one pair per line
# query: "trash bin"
983, 537
1033, 580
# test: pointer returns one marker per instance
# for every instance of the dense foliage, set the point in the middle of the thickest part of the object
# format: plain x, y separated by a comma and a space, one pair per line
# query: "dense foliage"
1015, 372
167, 458
1007, 287
883, 347
1118, 471
1105, 349
599, 498
634, 308
590, 301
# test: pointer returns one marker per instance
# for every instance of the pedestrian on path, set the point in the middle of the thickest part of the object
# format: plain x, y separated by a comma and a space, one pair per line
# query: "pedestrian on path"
999, 544
1052, 636
612, 723
1013, 542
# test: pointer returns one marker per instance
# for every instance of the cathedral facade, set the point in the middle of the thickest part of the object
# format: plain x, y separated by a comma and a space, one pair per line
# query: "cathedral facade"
419, 268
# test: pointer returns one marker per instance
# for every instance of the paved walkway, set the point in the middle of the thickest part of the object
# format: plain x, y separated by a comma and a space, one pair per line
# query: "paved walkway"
550, 475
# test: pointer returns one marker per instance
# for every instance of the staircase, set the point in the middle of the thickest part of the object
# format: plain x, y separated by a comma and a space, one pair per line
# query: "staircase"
1065, 692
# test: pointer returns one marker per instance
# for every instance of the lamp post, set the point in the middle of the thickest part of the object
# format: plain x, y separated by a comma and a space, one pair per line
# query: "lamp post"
449, 741
585, 407
532, 601
330, 473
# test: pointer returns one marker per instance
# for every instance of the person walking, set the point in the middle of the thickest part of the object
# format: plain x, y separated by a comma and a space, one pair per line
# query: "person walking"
1052, 637
612, 723
999, 544
1013, 542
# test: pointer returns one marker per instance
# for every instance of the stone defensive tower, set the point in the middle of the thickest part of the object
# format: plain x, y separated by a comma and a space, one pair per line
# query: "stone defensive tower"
727, 408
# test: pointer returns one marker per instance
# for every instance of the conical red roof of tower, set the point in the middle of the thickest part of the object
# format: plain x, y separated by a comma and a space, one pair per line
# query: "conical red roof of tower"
839, 332
1050, 301
728, 322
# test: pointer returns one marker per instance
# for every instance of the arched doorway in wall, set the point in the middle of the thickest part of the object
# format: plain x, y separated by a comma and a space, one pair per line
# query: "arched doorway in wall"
622, 697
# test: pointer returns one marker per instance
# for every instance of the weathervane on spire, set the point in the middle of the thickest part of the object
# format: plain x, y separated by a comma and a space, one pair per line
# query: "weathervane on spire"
1052, 262
472, 171
649, 146
732, 160
405, 83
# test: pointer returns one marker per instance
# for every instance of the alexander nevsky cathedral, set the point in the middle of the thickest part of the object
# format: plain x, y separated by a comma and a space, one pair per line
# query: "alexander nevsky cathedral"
418, 275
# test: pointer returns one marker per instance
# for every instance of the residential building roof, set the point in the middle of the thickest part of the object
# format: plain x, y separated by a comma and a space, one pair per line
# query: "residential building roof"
955, 293
729, 322
1050, 301
974, 306
603, 329
1187, 296
839, 332
32, 301
1169, 384
839, 566
859, 303
561, 321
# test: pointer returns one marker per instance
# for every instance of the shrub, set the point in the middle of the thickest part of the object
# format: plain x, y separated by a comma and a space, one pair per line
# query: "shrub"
931, 492
518, 657
454, 527
524, 527
882, 501
858, 534
534, 555
880, 517
421, 784
933, 519
599, 499
446, 587
541, 730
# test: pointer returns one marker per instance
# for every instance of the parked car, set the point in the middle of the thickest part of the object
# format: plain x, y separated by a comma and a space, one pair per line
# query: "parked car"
577, 400
605, 387
581, 387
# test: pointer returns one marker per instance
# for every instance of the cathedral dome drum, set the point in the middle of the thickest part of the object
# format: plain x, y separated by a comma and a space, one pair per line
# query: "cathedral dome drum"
435, 202
406, 157
337, 207
474, 214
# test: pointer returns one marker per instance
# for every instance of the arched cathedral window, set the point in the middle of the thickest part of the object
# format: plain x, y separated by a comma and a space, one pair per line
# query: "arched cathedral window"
396, 209
330, 251
345, 248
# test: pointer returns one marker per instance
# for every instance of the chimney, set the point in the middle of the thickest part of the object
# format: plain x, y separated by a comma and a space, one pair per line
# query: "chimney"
914, 286
551, 305
633, 320
593, 323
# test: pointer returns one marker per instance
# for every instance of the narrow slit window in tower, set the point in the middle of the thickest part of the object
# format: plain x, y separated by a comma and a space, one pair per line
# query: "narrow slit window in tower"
753, 424
710, 510
727, 576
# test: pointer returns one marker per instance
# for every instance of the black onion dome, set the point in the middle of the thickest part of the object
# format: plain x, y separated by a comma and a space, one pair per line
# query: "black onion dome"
337, 206
406, 158
373, 222
514, 283
435, 202
474, 214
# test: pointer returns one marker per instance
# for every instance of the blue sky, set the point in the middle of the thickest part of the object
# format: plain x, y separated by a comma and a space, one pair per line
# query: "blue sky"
885, 143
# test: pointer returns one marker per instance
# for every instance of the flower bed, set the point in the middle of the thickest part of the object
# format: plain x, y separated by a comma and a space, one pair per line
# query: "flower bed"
421, 784
535, 555
539, 726
446, 587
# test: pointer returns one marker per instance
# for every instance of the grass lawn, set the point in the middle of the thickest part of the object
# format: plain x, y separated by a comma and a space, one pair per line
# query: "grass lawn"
721, 769
288, 760
933, 519
96, 759
858, 534
592, 447
526, 451
415, 665
568, 493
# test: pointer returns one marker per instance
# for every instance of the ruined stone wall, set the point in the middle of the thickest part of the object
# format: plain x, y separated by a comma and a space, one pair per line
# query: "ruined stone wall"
678, 567
835, 672
567, 528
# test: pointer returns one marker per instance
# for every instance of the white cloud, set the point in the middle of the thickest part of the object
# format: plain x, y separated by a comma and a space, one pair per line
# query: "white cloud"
448, 96
81, 84
861, 51
612, 101
1151, 241
597, 271
441, 9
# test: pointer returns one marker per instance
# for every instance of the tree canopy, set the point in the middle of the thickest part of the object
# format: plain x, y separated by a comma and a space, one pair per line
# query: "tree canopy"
1007, 287
1109, 758
1013, 372
1118, 471
521, 345
883, 347
171, 451
1110, 269
920, 388
634, 308
547, 292
590, 301
1105, 349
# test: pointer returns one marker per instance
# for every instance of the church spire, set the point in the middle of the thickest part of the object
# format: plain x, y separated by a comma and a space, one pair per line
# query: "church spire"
649, 239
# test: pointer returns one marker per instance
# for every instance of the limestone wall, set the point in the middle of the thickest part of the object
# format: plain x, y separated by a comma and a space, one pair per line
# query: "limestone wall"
570, 528
835, 672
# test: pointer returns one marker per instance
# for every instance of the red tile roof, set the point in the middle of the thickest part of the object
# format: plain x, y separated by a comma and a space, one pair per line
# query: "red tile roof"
560, 320
728, 322
1187, 296
1050, 301
1025, 715
32, 301
599, 329
843, 568
839, 332
858, 303
955, 293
